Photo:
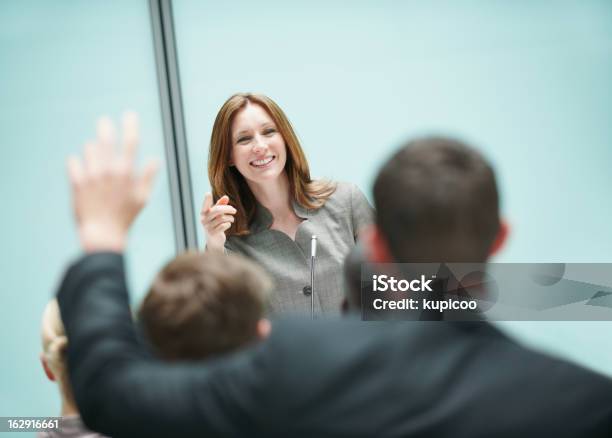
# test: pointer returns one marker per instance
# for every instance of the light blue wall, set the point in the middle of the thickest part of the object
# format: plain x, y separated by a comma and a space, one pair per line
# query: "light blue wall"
528, 82
62, 64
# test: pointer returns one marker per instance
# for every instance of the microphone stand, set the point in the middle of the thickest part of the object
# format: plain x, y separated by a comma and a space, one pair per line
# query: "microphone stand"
313, 255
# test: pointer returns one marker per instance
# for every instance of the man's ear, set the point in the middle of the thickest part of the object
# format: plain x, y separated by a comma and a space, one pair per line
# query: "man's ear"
376, 246
500, 238
263, 328
48, 371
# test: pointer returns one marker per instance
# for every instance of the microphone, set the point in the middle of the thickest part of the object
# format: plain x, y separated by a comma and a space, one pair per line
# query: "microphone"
313, 256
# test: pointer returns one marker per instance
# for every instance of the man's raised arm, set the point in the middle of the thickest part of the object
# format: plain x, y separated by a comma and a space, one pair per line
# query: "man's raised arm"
119, 388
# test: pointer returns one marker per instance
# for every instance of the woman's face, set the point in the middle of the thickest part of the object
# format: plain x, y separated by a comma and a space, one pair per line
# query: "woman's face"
258, 149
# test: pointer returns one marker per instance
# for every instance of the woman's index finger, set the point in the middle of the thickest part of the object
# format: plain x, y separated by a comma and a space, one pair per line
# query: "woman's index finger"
223, 200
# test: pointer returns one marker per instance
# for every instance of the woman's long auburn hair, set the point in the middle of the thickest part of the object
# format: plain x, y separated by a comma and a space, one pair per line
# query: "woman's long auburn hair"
227, 180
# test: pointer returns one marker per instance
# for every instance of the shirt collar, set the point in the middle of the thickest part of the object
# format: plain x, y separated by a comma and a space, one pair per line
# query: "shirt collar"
263, 218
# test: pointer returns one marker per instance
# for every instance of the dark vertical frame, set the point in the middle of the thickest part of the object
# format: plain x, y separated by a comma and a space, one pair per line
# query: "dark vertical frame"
175, 139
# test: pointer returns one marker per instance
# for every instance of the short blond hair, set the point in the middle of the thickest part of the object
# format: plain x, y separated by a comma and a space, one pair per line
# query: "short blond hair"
54, 340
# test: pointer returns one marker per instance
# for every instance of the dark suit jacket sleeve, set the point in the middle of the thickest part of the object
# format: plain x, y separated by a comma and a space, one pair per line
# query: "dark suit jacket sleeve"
122, 391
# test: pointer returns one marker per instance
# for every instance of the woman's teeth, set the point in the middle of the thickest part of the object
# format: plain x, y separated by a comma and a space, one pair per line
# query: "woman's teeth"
261, 163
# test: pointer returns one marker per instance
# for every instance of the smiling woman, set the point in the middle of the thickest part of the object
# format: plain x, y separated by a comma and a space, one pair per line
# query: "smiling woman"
268, 207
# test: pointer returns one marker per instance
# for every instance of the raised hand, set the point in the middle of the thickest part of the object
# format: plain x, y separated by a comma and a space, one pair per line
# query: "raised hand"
107, 192
216, 220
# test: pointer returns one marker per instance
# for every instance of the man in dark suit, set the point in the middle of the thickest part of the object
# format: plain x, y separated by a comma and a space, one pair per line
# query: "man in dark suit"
329, 378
